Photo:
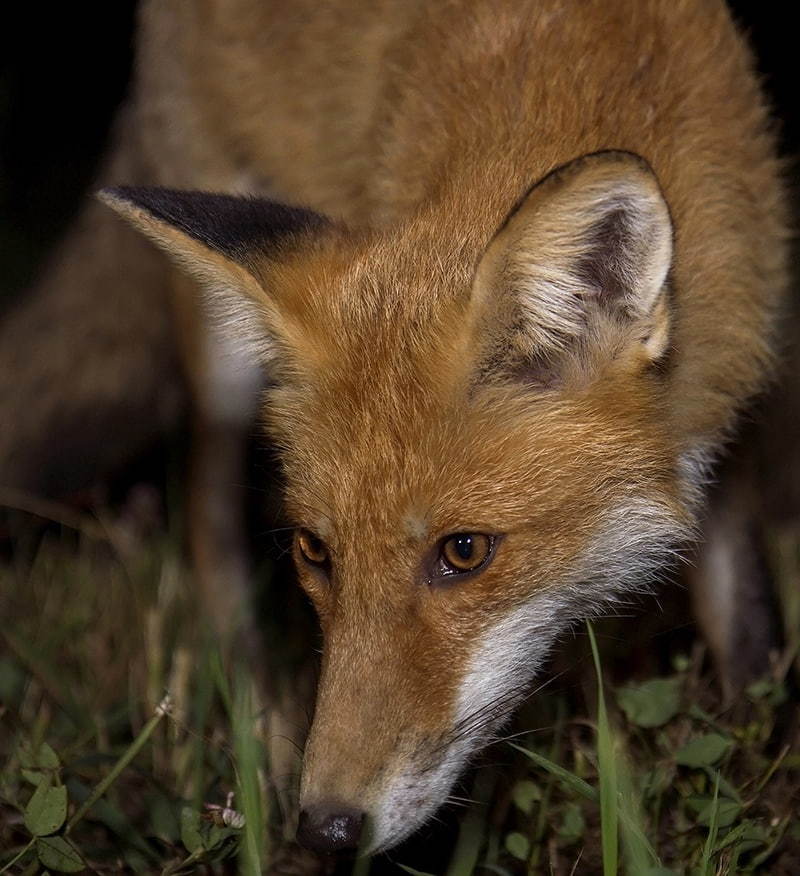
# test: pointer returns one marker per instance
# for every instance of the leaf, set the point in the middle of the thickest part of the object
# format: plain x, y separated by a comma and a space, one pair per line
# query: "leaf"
727, 810
573, 825
191, 836
164, 819
412, 871
525, 794
58, 853
36, 762
41, 758
759, 689
725, 787
220, 848
12, 681
681, 662
47, 809
748, 833
518, 846
217, 835
652, 703
703, 751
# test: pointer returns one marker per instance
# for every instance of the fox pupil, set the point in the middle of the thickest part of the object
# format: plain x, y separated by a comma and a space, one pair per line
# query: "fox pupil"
464, 546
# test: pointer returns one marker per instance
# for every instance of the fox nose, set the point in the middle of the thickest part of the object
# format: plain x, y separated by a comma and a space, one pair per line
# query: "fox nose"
329, 828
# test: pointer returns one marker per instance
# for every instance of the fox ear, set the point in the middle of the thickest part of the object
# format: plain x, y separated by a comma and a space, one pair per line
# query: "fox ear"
219, 240
578, 271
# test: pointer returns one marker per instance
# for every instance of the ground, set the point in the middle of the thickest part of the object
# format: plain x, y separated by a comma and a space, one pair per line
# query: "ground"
99, 625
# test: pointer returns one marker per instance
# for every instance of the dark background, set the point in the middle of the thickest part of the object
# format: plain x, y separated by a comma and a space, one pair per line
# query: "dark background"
64, 68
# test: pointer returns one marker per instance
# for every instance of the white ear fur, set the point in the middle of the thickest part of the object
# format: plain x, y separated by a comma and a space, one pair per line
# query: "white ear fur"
592, 240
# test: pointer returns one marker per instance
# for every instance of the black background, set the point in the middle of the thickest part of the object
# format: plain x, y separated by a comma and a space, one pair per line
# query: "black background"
65, 68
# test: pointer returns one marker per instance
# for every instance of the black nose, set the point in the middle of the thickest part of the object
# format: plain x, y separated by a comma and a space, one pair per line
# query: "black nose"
329, 828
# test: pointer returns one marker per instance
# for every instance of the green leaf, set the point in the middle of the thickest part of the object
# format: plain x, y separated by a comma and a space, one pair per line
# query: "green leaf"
748, 832
703, 751
412, 871
518, 846
191, 836
652, 703
41, 758
164, 818
525, 794
58, 853
759, 689
725, 787
727, 810
573, 825
220, 848
39, 761
47, 809
12, 681
681, 662
217, 835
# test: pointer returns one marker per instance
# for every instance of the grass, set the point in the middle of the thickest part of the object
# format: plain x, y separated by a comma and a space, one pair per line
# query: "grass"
99, 771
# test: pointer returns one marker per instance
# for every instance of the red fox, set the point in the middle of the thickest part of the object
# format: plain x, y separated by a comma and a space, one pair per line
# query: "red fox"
510, 270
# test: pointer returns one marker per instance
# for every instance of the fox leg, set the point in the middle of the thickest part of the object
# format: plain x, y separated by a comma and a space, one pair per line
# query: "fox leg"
731, 585
224, 388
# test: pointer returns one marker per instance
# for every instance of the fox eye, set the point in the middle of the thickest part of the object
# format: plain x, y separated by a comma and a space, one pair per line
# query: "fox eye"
464, 552
312, 548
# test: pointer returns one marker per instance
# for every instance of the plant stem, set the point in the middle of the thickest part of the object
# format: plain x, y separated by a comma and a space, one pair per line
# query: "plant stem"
135, 747
16, 857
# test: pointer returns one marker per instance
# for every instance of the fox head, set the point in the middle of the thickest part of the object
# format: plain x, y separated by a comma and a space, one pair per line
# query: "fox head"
472, 425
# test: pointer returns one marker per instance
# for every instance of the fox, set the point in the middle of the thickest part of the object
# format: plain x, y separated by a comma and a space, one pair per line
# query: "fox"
496, 279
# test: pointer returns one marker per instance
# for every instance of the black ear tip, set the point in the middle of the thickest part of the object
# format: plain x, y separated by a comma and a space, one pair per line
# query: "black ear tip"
229, 224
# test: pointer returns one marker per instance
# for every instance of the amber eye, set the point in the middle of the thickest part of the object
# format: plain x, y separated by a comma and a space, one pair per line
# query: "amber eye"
465, 551
312, 548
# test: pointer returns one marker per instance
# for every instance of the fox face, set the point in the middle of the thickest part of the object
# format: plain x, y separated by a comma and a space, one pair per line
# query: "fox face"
476, 446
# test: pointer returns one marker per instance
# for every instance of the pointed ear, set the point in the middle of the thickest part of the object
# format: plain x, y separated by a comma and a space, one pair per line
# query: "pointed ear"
218, 240
578, 271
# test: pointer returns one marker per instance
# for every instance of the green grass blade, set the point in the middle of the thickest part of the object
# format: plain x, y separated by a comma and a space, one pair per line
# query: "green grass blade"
361, 865
607, 768
568, 779
711, 840
248, 764
640, 856
473, 827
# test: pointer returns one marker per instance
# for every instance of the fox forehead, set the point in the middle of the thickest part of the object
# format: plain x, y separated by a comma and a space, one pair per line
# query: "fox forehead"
497, 459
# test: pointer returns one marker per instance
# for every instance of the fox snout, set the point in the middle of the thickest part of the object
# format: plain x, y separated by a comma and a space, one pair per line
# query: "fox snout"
375, 765
391, 734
